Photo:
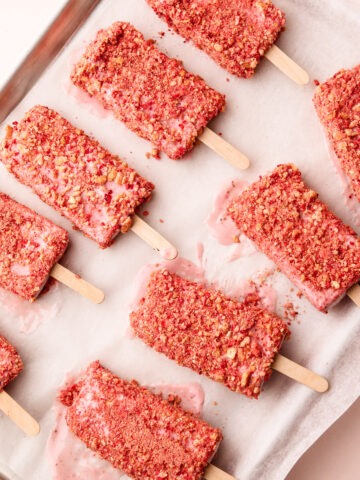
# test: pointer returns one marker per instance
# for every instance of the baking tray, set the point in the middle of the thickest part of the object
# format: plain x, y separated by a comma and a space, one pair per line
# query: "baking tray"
71, 17
260, 120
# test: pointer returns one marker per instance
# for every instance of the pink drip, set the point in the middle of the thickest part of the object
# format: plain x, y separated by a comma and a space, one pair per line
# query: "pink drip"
245, 247
200, 253
220, 225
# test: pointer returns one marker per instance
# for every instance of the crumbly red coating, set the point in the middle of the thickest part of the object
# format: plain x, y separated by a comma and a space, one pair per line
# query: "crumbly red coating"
231, 342
30, 245
151, 93
235, 33
74, 174
10, 363
289, 223
337, 102
138, 432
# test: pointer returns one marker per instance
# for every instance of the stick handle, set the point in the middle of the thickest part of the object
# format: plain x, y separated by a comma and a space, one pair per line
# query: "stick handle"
300, 374
76, 283
354, 294
224, 149
214, 473
153, 238
18, 415
286, 65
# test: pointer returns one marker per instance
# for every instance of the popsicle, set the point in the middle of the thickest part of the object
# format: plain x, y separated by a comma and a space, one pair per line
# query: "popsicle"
230, 342
291, 225
74, 174
30, 247
151, 93
11, 366
235, 33
337, 102
138, 432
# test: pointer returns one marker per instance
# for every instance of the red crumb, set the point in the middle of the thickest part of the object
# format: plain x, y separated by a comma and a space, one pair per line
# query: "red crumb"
145, 213
231, 342
174, 399
316, 82
235, 33
151, 93
290, 313
10, 363
136, 431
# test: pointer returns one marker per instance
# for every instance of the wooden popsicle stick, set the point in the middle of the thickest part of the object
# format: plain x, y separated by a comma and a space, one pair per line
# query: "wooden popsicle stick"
224, 149
300, 374
18, 415
76, 283
214, 473
153, 238
354, 294
286, 65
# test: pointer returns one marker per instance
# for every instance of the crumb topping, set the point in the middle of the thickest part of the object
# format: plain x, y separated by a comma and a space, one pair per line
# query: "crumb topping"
235, 33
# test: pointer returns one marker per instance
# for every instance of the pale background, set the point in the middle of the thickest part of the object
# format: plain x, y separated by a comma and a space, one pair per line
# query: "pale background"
336, 454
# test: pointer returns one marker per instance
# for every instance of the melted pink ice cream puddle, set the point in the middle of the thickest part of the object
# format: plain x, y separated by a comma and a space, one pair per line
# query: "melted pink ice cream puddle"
71, 459
31, 315
223, 228
220, 224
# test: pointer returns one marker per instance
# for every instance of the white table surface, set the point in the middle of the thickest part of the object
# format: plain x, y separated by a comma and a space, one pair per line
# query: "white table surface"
335, 454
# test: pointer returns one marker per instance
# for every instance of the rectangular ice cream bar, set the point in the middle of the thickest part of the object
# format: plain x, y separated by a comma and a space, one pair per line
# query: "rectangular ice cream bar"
289, 223
30, 245
235, 33
10, 363
138, 432
74, 174
151, 93
230, 342
337, 103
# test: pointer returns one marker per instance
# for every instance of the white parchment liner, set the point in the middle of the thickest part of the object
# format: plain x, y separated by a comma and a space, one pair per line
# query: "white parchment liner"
273, 121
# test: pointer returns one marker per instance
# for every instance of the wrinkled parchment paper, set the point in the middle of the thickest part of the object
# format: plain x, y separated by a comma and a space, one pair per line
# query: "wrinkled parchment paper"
272, 120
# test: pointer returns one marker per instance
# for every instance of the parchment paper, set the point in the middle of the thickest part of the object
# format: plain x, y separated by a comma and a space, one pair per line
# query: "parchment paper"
273, 121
